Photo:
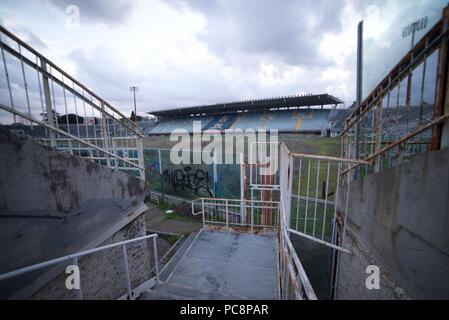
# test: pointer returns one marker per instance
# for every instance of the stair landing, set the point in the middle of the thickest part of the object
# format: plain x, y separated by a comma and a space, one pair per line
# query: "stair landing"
224, 265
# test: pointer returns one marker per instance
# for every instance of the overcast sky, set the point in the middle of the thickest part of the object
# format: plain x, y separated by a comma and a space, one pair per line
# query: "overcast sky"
182, 53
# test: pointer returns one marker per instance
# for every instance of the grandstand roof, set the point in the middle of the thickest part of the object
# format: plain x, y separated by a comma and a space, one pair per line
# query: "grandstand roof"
256, 104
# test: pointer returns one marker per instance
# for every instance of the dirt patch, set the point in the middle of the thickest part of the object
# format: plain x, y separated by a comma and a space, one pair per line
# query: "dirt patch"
177, 223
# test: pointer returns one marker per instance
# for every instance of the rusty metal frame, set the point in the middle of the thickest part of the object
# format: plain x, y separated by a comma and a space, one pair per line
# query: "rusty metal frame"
437, 38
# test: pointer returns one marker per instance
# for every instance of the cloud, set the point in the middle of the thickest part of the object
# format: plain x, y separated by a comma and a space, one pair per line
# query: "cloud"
24, 34
183, 53
289, 31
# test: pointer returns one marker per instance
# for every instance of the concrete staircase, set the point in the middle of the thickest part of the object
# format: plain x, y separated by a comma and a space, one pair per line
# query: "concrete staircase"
165, 290
168, 291
216, 265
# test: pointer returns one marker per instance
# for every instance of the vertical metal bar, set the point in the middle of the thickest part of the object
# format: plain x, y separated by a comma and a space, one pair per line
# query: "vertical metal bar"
388, 126
440, 133
397, 118
104, 133
346, 211
325, 200
242, 189
126, 267
89, 149
337, 194
204, 213
378, 145
161, 176
299, 193
252, 213
7, 78
316, 196
25, 83
215, 173
156, 263
79, 292
307, 197
226, 212
51, 116
141, 158
76, 113
66, 112
40, 92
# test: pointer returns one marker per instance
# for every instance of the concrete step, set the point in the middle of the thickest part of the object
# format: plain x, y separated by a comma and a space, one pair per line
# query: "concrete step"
158, 295
170, 266
167, 291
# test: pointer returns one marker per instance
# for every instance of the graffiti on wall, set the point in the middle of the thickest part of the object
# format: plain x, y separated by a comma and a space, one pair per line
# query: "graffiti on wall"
197, 181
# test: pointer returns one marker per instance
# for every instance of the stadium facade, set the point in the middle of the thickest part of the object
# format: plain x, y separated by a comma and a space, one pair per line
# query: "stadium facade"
301, 114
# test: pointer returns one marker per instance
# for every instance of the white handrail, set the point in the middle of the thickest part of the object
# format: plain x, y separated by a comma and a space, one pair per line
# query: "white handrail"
75, 256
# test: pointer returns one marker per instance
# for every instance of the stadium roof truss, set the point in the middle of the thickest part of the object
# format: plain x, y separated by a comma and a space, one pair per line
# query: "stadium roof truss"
279, 103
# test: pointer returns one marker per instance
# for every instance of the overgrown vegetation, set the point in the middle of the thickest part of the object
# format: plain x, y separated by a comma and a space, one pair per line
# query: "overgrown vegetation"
170, 239
175, 214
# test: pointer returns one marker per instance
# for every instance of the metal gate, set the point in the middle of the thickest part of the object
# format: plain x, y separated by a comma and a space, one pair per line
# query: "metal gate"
314, 193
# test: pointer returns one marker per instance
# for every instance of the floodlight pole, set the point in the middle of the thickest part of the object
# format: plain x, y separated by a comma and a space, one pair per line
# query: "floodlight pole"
134, 89
412, 28
406, 31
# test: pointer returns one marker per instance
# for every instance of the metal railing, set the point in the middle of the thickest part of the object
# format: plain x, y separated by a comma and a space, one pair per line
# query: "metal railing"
231, 213
294, 282
74, 258
226, 213
320, 196
42, 100
404, 114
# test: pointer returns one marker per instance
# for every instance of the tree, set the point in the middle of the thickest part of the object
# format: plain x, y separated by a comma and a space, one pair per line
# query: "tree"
71, 119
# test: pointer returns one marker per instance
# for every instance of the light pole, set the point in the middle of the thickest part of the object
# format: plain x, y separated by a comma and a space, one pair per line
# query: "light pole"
134, 89
407, 31
412, 28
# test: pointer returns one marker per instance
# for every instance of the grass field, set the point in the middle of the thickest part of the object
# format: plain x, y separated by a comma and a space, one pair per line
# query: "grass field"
312, 144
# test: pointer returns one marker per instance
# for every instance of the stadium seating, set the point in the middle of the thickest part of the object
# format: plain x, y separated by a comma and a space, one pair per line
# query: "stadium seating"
300, 120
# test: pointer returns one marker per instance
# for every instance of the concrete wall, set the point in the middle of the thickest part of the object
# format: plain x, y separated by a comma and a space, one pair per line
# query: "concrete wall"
53, 204
398, 219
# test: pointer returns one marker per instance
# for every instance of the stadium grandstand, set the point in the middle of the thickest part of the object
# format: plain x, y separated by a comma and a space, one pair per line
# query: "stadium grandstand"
301, 113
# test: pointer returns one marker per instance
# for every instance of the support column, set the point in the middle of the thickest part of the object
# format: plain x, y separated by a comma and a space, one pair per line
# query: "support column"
441, 93
358, 93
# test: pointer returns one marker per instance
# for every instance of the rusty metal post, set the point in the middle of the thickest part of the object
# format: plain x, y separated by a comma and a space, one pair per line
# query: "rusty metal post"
378, 134
441, 84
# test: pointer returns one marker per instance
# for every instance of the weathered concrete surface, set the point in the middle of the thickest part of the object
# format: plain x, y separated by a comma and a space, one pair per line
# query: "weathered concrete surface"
53, 204
399, 220
222, 265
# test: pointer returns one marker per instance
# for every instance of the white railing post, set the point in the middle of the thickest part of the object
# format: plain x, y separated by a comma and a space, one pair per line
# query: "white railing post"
242, 189
252, 214
104, 133
51, 117
204, 216
226, 211
156, 264
79, 292
126, 267
139, 145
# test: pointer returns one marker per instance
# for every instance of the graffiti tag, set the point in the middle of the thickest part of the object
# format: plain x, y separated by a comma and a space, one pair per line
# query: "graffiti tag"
188, 179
